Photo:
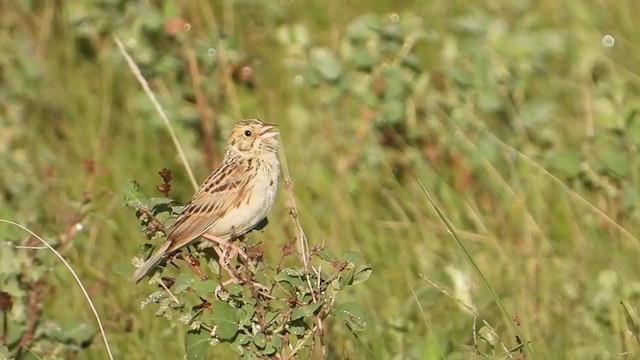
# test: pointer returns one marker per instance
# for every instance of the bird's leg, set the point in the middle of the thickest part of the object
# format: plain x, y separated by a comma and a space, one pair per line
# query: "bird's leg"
223, 261
215, 239
222, 255
235, 249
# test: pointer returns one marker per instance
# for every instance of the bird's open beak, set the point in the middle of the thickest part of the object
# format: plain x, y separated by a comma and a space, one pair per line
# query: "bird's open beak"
265, 133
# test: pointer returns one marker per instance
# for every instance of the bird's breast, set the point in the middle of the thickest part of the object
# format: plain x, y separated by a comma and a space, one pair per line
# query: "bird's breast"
256, 199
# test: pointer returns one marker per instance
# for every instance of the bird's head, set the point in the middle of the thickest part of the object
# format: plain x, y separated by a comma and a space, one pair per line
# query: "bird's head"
252, 136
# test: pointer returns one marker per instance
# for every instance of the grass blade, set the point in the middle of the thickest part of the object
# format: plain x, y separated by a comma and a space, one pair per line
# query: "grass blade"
495, 296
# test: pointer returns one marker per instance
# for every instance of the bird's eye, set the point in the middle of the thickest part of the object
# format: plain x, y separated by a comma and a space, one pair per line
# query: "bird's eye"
247, 133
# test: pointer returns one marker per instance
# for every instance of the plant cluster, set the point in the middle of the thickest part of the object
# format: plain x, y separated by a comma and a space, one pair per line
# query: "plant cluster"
259, 308
26, 266
25, 277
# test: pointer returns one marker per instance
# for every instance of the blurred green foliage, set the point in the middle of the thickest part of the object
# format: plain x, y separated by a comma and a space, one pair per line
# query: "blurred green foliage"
520, 117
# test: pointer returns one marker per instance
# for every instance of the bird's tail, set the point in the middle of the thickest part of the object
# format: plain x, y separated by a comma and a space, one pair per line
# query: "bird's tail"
151, 263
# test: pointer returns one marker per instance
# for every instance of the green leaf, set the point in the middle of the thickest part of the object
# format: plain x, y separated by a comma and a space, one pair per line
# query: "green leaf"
259, 340
488, 335
287, 288
12, 260
123, 268
132, 195
204, 287
262, 278
346, 278
271, 315
353, 257
293, 339
393, 111
293, 272
606, 112
225, 317
276, 342
249, 356
155, 201
295, 35
214, 266
367, 95
392, 32
630, 198
234, 289
177, 209
183, 282
80, 333
633, 130
412, 62
326, 63
363, 27
297, 327
246, 313
289, 279
351, 314
361, 274
241, 339
69, 333
306, 310
615, 161
291, 276
196, 344
170, 9
327, 255
269, 349
363, 59
4, 353
489, 100
460, 76
15, 333
566, 161
311, 77
396, 86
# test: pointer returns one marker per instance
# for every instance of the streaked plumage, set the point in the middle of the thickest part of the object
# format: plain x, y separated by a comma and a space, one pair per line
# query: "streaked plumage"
235, 198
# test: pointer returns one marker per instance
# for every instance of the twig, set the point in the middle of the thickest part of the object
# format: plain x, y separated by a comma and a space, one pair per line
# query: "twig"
5, 328
293, 210
189, 260
320, 334
361, 133
75, 276
72, 229
303, 341
145, 86
469, 307
76, 222
33, 313
208, 127
152, 219
173, 297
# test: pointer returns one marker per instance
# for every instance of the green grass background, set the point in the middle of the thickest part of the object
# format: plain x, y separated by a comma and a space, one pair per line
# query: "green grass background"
533, 74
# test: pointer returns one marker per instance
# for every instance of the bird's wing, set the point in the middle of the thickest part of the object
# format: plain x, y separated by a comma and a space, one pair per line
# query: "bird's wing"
212, 201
